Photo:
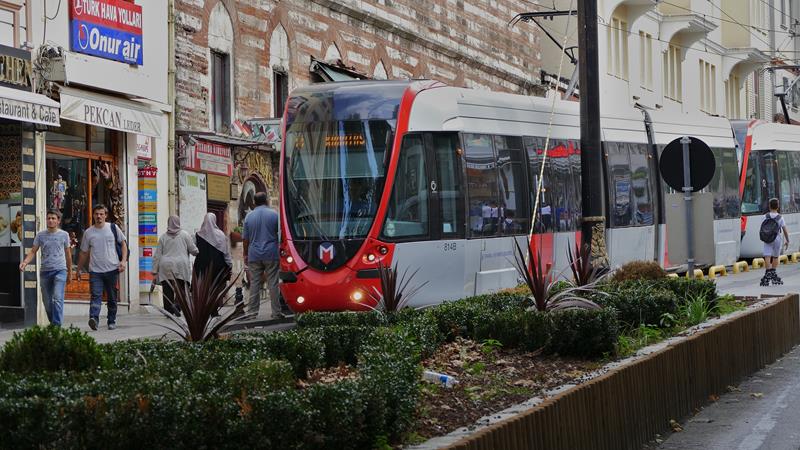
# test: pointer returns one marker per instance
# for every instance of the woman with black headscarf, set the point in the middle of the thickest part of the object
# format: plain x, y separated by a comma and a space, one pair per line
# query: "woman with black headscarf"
215, 254
171, 265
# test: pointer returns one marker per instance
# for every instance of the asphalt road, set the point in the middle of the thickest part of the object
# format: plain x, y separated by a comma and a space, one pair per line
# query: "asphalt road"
763, 411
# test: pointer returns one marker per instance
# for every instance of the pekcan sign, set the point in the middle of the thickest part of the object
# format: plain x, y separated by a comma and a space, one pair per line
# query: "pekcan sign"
110, 29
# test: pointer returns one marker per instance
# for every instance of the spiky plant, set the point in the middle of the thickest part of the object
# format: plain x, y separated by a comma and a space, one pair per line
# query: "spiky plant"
580, 262
541, 282
395, 292
201, 305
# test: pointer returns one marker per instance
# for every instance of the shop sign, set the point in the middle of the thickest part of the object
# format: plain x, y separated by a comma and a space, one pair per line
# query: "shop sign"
15, 68
110, 29
109, 114
148, 228
219, 188
212, 158
28, 111
144, 147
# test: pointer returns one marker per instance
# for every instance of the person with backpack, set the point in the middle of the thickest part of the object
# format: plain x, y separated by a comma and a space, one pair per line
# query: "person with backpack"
105, 248
774, 243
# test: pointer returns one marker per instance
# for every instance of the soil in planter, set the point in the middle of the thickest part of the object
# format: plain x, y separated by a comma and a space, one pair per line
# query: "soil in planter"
490, 379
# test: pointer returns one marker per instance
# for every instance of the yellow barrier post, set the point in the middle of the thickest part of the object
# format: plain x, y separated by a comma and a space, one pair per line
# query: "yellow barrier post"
672, 275
783, 259
796, 257
741, 266
758, 263
697, 274
714, 270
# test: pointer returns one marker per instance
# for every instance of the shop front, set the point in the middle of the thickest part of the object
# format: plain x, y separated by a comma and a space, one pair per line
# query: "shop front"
22, 115
92, 159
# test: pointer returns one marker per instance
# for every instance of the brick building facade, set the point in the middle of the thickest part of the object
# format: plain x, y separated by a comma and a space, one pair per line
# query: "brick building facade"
237, 59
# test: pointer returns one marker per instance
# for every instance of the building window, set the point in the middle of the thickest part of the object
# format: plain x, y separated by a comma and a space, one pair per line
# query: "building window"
280, 91
220, 91
708, 87
733, 103
646, 59
618, 48
673, 87
10, 28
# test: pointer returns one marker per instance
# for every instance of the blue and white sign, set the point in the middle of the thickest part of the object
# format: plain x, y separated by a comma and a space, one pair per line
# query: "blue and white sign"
110, 29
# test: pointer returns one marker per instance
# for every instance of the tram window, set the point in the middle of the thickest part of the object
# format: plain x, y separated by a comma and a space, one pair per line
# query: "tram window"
769, 186
575, 162
445, 146
753, 201
785, 182
534, 147
484, 210
641, 193
794, 158
407, 215
514, 211
619, 183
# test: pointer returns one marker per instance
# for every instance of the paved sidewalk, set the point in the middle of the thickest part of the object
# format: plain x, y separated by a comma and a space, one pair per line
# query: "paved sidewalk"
746, 283
147, 324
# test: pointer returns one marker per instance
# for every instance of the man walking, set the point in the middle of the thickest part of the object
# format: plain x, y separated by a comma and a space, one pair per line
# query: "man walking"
55, 267
106, 261
260, 236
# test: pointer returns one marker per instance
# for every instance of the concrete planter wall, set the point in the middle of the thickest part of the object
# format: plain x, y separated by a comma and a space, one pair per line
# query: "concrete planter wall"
625, 407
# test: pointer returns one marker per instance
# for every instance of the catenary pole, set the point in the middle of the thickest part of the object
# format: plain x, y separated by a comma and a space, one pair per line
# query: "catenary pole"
593, 224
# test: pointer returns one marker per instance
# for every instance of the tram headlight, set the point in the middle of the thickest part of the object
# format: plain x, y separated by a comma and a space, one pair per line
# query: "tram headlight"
357, 296
289, 259
300, 300
369, 257
283, 253
383, 249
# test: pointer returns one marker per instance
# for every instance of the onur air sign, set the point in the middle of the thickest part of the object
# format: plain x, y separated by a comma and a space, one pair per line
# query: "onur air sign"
110, 29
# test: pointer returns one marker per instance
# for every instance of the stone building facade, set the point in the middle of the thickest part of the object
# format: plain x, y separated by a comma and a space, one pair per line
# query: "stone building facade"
238, 59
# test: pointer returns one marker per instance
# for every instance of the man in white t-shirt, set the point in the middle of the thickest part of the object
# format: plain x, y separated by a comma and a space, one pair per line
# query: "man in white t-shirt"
774, 248
99, 246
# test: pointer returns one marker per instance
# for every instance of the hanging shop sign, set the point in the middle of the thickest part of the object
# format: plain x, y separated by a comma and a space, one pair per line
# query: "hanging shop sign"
109, 112
212, 158
110, 29
15, 68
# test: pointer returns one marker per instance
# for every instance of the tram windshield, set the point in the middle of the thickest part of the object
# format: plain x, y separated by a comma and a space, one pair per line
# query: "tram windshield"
337, 144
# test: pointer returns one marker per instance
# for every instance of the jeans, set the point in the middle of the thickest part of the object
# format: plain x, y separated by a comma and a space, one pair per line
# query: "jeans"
53, 283
257, 269
98, 282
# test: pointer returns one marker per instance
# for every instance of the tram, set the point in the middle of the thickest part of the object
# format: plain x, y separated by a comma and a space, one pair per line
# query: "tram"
443, 179
770, 169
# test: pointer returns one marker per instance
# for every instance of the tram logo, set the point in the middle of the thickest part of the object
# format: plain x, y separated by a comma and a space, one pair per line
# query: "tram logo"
326, 253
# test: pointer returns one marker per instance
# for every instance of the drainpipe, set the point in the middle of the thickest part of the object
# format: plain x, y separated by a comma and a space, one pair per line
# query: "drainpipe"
772, 48
171, 170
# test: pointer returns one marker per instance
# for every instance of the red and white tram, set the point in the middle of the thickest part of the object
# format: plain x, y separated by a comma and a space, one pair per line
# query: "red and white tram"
444, 179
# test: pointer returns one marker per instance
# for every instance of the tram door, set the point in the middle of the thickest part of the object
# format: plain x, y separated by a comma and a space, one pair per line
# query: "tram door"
431, 163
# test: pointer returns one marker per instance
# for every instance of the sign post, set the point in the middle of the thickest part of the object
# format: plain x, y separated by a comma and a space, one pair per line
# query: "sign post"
687, 197
687, 164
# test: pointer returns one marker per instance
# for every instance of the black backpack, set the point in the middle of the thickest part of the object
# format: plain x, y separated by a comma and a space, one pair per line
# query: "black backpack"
770, 228
118, 244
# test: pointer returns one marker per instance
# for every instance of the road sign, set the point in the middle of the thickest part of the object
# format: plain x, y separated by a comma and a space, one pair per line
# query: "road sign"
701, 164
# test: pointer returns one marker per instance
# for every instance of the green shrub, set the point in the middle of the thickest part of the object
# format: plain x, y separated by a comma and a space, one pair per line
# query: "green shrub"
262, 376
639, 270
639, 303
691, 288
51, 349
341, 342
346, 318
421, 329
528, 330
584, 333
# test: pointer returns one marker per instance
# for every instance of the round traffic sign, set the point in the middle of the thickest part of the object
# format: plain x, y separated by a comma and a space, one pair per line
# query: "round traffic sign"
701, 164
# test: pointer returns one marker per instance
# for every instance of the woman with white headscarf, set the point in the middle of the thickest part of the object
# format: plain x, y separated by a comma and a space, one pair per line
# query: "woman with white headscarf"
171, 265
215, 254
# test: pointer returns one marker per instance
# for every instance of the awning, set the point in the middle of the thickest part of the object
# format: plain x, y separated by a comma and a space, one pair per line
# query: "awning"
224, 140
26, 106
332, 72
110, 112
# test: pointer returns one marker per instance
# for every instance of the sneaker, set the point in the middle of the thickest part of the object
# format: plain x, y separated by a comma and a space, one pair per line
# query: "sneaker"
112, 326
93, 323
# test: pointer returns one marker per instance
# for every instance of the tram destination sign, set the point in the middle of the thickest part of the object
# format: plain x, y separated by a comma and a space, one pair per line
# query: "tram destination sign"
110, 29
